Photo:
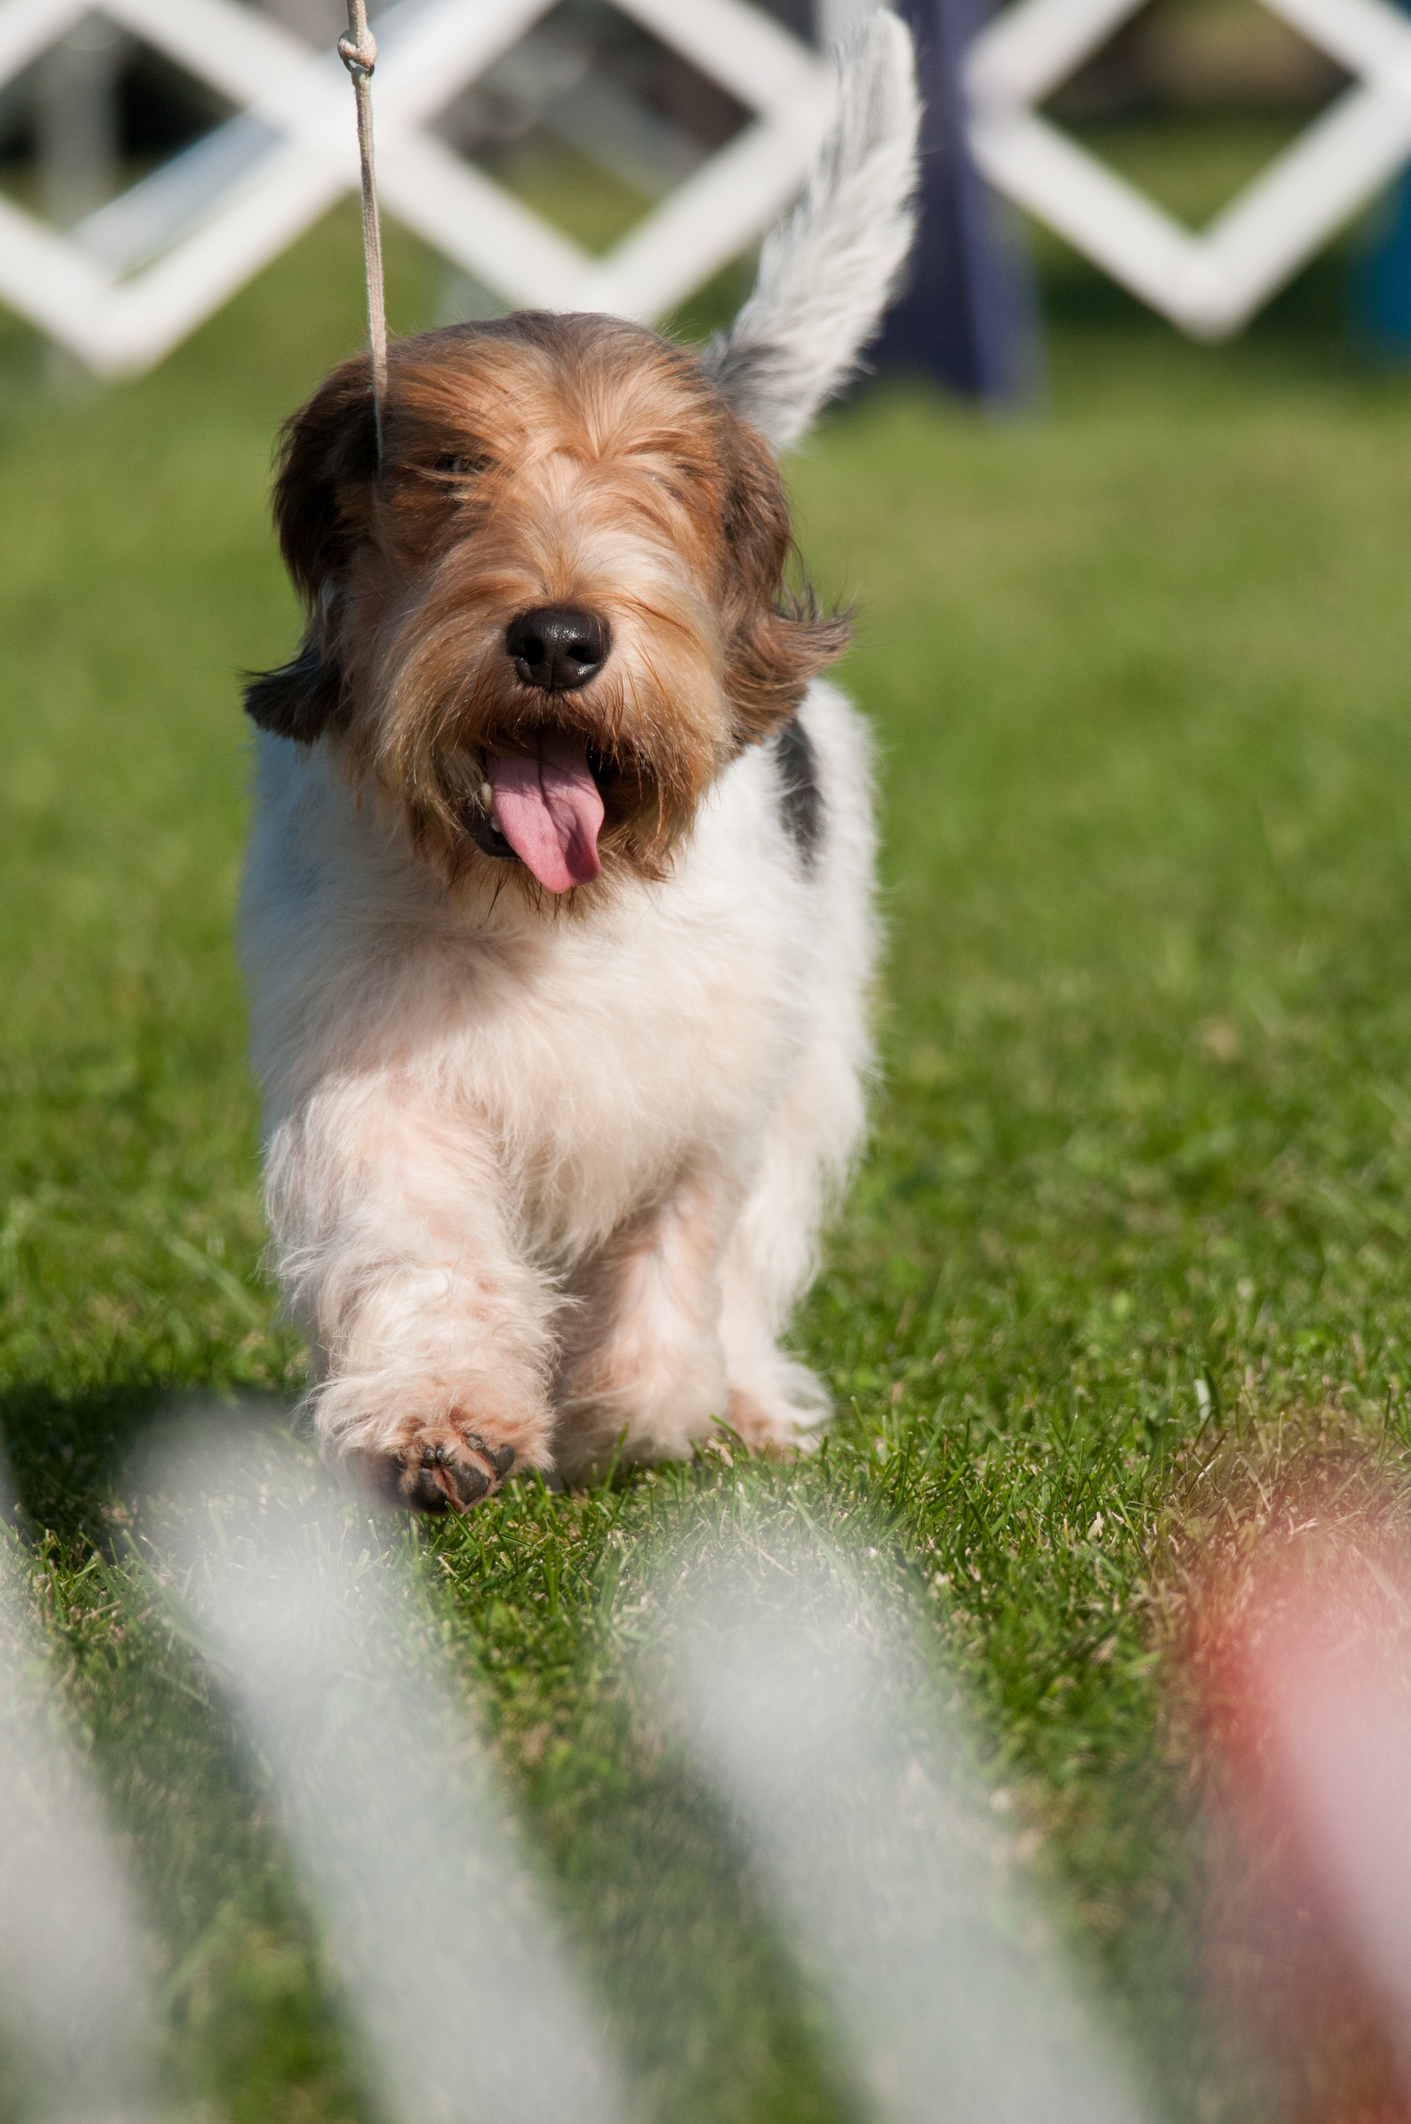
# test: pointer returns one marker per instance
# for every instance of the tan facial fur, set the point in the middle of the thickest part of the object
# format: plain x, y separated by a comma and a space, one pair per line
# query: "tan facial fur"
538, 461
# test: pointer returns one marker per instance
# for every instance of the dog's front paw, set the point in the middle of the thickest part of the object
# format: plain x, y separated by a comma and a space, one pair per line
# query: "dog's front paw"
445, 1465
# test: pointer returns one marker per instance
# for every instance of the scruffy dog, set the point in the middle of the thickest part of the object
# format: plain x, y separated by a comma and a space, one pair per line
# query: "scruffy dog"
557, 918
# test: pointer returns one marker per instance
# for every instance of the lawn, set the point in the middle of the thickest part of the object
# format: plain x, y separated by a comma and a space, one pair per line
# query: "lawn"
1132, 1223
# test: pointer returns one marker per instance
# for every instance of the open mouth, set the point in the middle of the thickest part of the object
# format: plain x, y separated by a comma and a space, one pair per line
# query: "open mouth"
546, 811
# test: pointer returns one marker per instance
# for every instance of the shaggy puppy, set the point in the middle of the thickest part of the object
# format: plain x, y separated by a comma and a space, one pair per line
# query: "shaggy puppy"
557, 915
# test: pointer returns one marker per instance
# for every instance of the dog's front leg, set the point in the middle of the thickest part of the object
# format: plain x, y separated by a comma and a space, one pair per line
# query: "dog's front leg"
395, 1245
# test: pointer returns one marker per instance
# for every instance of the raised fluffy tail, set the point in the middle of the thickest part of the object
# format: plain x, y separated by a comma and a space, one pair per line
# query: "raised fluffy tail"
826, 272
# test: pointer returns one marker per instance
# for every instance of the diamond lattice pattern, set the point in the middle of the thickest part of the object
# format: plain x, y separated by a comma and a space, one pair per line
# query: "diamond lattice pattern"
183, 241
1209, 284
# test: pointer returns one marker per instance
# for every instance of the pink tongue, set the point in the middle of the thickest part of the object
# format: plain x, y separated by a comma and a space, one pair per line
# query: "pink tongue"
549, 811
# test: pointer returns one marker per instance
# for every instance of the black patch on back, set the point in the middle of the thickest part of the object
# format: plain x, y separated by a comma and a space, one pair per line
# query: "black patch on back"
800, 798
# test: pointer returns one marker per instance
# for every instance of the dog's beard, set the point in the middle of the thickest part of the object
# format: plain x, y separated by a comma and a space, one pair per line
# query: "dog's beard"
604, 776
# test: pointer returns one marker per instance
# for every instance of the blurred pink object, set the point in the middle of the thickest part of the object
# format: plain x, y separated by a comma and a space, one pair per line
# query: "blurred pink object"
1303, 1661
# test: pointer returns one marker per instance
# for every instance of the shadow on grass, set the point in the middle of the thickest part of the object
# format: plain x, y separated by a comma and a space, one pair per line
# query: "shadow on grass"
67, 1452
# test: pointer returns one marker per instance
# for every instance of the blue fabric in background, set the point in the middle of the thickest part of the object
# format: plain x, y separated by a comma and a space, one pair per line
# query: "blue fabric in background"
1382, 278
1382, 281
968, 313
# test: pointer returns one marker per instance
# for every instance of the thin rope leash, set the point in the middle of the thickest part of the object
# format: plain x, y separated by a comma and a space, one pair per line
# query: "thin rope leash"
358, 52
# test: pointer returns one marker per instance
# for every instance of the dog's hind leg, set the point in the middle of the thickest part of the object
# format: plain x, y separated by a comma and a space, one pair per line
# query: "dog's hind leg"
815, 1133
642, 1369
772, 1256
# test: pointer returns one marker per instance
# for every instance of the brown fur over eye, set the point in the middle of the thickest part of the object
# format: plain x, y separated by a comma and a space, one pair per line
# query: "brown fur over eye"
779, 641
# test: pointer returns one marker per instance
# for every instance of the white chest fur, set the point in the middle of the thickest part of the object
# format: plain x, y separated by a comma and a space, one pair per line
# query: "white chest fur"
603, 1048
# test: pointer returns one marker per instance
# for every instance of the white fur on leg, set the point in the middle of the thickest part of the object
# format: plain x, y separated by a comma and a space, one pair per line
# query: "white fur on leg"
420, 1311
826, 273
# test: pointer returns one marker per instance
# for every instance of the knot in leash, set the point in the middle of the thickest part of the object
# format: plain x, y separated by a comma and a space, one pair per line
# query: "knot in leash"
359, 54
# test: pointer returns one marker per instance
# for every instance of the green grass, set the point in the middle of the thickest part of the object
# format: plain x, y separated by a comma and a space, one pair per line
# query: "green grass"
1138, 1189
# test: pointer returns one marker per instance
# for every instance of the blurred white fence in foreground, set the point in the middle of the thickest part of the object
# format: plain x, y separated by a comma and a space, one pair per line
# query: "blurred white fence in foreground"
891, 1886
951, 2007
470, 2012
76, 1994
1212, 283
857, 1805
136, 276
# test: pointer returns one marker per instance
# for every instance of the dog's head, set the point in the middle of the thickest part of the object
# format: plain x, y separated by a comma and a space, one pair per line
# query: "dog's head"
555, 608
548, 611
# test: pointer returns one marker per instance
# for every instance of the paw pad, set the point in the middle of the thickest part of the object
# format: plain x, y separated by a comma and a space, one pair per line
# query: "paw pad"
451, 1475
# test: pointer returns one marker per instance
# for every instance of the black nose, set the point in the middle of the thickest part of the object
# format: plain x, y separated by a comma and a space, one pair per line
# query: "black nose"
556, 649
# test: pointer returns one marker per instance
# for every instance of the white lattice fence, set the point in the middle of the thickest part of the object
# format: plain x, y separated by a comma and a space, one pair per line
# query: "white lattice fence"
136, 276
1209, 284
122, 297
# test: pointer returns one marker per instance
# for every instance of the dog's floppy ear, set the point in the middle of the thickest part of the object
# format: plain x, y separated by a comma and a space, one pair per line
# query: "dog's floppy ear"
328, 462
297, 700
779, 641
826, 273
